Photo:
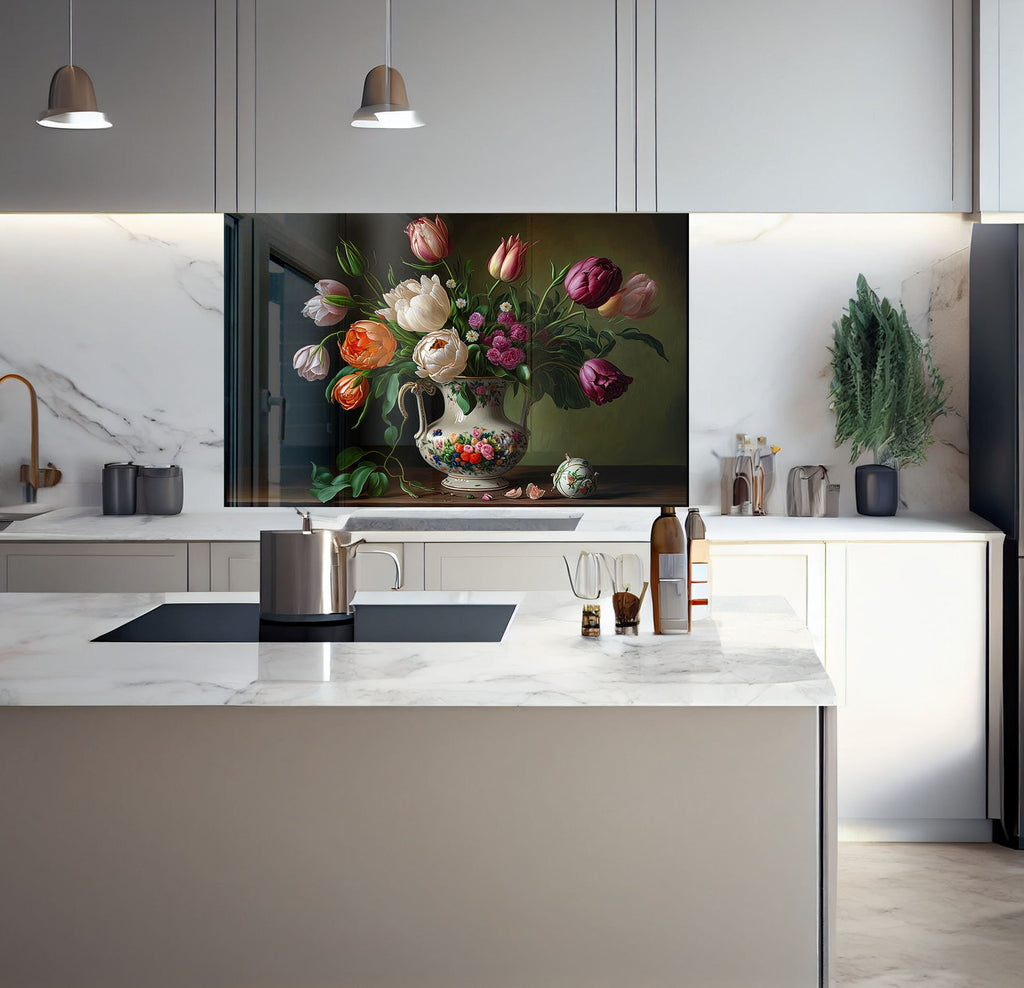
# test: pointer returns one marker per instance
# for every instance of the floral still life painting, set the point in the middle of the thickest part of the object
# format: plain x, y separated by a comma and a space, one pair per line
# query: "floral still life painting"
482, 356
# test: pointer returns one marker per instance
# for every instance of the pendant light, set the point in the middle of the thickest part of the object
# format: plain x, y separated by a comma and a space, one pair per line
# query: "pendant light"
385, 103
72, 104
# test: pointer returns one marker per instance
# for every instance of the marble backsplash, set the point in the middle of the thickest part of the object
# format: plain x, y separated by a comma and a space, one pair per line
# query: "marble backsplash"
118, 322
764, 292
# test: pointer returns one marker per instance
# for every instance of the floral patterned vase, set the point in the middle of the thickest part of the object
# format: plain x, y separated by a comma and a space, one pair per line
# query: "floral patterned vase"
475, 448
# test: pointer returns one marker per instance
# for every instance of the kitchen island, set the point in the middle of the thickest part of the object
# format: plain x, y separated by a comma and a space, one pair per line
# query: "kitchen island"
544, 810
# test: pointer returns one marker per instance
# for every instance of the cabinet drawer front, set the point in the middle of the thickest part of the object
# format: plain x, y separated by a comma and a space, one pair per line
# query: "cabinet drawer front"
97, 569
513, 565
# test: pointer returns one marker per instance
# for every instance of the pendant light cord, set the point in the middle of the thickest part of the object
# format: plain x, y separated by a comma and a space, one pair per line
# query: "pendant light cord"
71, 32
387, 53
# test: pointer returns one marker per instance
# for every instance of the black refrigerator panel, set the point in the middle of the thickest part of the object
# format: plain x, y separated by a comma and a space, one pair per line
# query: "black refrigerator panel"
995, 407
1007, 829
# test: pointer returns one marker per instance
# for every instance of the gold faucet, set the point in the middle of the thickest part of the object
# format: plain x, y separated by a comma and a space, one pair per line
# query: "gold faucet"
30, 476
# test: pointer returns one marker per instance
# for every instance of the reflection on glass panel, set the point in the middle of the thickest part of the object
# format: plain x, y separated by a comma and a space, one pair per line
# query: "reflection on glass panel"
300, 425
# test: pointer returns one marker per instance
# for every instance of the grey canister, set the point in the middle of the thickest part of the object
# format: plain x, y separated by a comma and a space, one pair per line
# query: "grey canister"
160, 490
119, 481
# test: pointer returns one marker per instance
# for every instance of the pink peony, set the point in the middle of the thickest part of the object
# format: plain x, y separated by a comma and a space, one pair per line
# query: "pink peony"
512, 358
506, 318
500, 342
476, 432
602, 381
494, 356
476, 320
486, 451
518, 332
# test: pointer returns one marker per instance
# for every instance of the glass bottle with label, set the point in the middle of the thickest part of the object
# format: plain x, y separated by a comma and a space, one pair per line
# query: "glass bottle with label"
668, 574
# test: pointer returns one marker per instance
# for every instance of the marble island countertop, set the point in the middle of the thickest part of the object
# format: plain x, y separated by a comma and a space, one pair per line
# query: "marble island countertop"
753, 652
567, 522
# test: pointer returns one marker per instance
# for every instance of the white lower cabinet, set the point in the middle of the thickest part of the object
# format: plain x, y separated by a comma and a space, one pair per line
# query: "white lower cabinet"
513, 565
794, 571
912, 748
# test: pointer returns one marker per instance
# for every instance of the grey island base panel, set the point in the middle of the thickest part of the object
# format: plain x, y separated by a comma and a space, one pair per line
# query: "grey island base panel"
486, 847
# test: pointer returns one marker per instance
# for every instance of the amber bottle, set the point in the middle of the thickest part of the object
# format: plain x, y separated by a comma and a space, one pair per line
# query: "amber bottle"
668, 573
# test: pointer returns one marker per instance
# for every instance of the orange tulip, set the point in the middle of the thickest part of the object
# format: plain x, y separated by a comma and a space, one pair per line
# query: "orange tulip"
350, 391
368, 344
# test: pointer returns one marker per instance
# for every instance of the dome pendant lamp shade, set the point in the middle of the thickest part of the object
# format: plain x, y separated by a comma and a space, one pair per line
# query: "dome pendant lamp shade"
72, 103
385, 102
385, 105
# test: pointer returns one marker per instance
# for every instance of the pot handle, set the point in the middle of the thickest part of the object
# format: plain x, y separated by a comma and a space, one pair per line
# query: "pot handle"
343, 547
398, 565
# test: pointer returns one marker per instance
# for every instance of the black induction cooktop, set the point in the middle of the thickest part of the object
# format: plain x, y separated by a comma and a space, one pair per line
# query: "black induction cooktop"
240, 622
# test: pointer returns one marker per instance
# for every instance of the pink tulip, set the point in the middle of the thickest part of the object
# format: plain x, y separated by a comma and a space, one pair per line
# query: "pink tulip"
592, 281
602, 381
321, 311
429, 239
508, 262
639, 294
312, 362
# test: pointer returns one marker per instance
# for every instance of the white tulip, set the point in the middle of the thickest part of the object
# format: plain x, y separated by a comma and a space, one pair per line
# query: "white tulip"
441, 356
418, 306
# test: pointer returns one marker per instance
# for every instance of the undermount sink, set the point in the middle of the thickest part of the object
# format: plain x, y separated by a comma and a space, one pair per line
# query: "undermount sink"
477, 520
18, 512
240, 622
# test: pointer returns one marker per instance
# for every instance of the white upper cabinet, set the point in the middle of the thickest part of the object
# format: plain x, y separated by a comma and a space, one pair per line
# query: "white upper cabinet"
153, 69
805, 106
1000, 106
519, 102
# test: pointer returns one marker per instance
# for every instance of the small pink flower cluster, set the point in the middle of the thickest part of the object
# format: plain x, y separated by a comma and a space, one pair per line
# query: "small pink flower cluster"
500, 350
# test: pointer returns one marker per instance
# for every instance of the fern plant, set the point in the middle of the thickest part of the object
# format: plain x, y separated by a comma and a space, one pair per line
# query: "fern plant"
886, 391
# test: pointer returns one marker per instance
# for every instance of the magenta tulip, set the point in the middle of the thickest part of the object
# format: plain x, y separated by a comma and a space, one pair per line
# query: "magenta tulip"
429, 239
602, 381
592, 281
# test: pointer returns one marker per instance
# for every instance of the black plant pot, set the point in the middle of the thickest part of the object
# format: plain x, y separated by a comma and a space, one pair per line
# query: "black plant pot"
878, 489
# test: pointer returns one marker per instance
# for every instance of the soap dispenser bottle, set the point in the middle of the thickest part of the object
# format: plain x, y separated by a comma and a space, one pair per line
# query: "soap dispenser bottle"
668, 574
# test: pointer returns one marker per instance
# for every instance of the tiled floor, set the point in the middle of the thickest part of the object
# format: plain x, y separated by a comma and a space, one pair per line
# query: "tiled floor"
941, 915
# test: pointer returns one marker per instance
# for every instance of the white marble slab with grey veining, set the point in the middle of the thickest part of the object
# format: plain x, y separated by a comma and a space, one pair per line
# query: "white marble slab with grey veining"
746, 655
491, 525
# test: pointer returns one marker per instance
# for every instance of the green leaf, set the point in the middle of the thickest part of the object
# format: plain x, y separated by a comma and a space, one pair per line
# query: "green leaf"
523, 373
343, 300
360, 476
391, 394
391, 435
348, 458
377, 485
421, 266
632, 333
465, 401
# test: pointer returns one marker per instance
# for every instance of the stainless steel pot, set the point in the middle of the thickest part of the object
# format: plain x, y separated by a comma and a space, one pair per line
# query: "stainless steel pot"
305, 573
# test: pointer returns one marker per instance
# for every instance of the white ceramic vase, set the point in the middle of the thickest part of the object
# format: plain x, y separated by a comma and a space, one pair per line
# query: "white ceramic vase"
474, 449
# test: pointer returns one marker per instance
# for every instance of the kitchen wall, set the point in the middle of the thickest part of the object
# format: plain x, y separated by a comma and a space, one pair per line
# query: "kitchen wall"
764, 292
118, 321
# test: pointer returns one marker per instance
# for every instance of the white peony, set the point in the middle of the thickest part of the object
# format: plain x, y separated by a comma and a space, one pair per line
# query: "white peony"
441, 356
418, 306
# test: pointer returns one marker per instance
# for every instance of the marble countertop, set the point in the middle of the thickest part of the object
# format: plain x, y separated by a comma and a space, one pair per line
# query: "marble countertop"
752, 652
568, 523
